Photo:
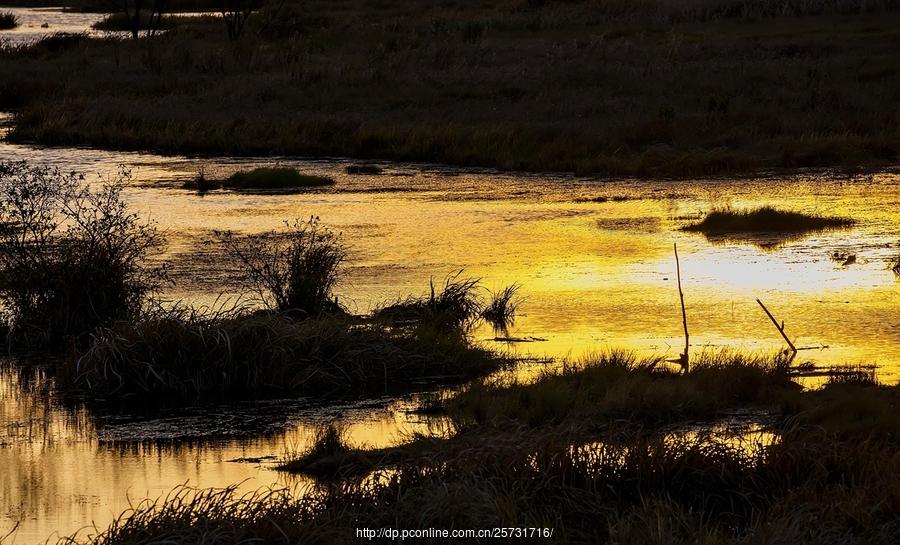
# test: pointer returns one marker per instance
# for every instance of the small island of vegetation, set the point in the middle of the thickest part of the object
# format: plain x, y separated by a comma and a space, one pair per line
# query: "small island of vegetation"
8, 20
262, 179
765, 219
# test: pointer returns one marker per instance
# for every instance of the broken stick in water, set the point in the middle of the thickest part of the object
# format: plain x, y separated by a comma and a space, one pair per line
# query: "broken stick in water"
685, 361
780, 328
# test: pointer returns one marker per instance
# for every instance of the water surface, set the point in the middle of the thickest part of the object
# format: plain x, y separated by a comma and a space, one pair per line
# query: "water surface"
596, 275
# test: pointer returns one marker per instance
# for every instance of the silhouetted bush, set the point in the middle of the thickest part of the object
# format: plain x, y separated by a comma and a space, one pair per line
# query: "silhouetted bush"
8, 20
72, 257
295, 271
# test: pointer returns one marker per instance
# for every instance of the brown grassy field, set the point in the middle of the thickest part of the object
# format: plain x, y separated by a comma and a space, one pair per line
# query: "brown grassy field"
636, 88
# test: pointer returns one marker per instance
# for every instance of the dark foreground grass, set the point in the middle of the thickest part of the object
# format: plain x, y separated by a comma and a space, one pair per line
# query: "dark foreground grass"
175, 359
758, 86
8, 20
806, 488
764, 219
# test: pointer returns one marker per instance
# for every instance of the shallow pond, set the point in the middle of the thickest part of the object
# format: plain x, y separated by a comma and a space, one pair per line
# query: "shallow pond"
596, 275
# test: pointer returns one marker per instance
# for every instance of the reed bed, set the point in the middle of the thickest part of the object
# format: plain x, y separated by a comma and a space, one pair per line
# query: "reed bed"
171, 360
268, 178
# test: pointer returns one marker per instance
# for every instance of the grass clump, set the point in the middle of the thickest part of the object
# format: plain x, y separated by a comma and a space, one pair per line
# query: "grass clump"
176, 358
294, 271
501, 311
364, 169
8, 20
273, 178
72, 257
456, 308
764, 219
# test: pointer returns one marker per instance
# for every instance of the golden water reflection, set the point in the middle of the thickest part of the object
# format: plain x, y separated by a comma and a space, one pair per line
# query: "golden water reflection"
596, 276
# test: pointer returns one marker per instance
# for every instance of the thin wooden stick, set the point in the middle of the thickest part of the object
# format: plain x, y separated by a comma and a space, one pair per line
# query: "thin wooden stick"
780, 328
685, 360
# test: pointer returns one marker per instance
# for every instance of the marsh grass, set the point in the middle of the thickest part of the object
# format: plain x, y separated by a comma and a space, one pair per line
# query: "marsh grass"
122, 22
273, 178
363, 169
299, 87
618, 385
454, 309
8, 20
831, 476
764, 219
638, 491
501, 311
174, 359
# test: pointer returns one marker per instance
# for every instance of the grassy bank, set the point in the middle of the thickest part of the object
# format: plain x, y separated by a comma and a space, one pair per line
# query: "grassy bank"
758, 86
819, 482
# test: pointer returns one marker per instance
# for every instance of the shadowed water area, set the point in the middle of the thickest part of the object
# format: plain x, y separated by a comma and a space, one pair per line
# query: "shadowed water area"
593, 257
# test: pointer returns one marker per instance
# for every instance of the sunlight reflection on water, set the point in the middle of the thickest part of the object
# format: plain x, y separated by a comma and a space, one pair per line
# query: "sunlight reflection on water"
596, 275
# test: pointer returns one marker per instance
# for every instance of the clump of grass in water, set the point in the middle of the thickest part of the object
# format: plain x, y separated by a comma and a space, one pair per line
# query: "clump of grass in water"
455, 309
363, 169
765, 219
502, 309
274, 178
8, 20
